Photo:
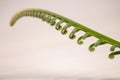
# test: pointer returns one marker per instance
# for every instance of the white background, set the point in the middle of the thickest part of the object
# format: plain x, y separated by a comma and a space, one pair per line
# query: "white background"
33, 48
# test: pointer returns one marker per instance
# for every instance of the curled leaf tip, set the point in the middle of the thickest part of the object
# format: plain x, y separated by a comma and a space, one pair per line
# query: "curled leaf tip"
72, 34
52, 22
92, 48
80, 39
48, 18
112, 48
64, 29
112, 55
79, 42
58, 25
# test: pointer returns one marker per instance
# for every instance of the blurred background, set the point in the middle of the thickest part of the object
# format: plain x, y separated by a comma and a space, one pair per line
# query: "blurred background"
34, 50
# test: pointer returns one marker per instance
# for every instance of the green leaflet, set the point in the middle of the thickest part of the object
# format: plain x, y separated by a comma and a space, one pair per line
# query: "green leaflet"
57, 20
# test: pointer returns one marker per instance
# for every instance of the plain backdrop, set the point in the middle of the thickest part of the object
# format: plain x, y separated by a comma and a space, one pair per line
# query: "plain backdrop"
33, 48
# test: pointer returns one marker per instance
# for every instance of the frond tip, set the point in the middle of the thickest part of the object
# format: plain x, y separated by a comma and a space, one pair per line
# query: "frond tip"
57, 20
